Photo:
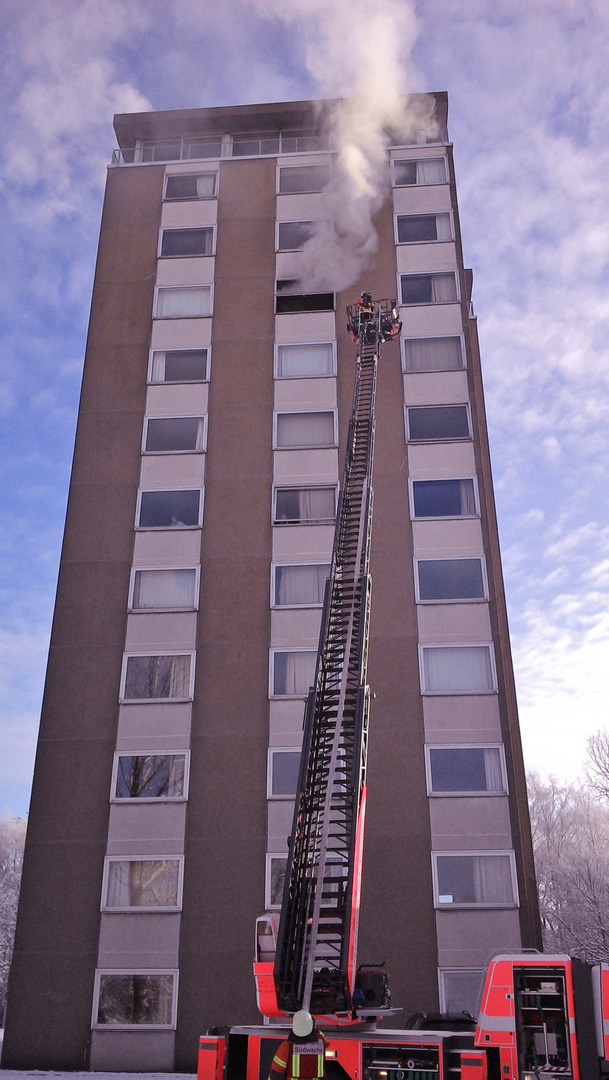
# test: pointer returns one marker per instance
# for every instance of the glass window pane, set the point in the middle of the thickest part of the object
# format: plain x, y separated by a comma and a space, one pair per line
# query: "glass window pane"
405, 172
304, 584
444, 498
293, 673
157, 677
451, 669
157, 589
438, 422
181, 365
169, 509
294, 361
431, 171
417, 228
142, 1000
191, 186
305, 429
433, 354
183, 302
167, 434
290, 299
285, 766
303, 178
276, 879
203, 148
474, 879
428, 288
461, 991
145, 883
150, 776
473, 768
187, 242
293, 235
450, 579
312, 505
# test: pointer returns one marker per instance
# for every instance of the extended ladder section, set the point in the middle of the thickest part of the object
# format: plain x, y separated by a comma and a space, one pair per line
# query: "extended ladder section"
316, 948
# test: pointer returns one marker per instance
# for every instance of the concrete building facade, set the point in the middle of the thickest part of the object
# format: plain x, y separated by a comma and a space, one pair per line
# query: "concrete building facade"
214, 406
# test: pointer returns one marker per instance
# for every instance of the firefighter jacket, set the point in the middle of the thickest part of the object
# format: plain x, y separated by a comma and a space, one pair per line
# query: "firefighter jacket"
300, 1059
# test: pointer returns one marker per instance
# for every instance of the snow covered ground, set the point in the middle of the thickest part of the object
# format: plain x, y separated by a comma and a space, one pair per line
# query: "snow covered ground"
21, 1074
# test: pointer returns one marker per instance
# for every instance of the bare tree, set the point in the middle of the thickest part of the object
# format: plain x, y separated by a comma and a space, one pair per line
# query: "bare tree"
12, 841
597, 765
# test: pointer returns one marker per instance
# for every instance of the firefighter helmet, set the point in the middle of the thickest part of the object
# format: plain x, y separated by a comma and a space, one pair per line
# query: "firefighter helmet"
302, 1023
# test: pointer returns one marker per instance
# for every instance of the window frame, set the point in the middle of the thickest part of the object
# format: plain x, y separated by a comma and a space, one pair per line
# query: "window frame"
308, 165
416, 160
303, 487
292, 344
171, 1026
306, 446
161, 288
286, 649
430, 273
160, 528
191, 198
272, 750
108, 859
187, 228
152, 611
465, 794
422, 645
450, 558
443, 517
296, 607
426, 337
156, 799
442, 438
432, 213
495, 905
295, 221
270, 855
179, 382
164, 453
442, 971
158, 701
279, 294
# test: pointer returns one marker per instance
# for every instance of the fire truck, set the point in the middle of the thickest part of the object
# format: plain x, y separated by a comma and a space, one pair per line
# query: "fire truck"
539, 1014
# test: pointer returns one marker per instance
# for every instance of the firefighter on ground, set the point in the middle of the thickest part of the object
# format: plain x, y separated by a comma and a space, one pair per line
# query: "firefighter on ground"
302, 1055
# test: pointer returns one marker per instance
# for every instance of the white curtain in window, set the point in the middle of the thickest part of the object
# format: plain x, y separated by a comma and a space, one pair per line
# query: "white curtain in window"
493, 879
431, 171
179, 684
301, 584
468, 500
183, 303
316, 504
433, 354
457, 668
158, 367
305, 429
492, 769
443, 227
164, 588
443, 288
303, 360
142, 883
206, 185
299, 673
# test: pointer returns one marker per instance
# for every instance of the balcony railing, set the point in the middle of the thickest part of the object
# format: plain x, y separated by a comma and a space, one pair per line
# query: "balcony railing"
254, 145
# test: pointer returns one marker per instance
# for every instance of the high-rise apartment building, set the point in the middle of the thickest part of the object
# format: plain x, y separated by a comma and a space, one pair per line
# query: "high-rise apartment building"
215, 400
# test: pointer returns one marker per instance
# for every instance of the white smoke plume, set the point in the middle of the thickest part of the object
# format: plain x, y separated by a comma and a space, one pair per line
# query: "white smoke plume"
357, 52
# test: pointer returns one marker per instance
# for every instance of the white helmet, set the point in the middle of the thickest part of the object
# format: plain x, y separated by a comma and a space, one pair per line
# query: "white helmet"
302, 1023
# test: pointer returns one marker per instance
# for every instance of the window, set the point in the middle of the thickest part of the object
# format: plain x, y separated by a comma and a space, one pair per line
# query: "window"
150, 776
300, 179
465, 770
443, 498
427, 171
428, 288
187, 241
475, 879
284, 767
304, 361
125, 999
183, 302
432, 354
305, 506
293, 672
180, 365
158, 678
164, 590
293, 235
302, 585
169, 509
174, 434
450, 579
460, 990
438, 422
414, 228
255, 145
276, 866
191, 186
457, 669
142, 884
305, 429
289, 299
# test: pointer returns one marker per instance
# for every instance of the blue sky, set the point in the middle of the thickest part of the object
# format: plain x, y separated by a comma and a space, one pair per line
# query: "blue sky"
529, 116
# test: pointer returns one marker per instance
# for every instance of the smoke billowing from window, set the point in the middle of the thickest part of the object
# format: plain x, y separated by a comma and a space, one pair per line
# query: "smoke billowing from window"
358, 52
